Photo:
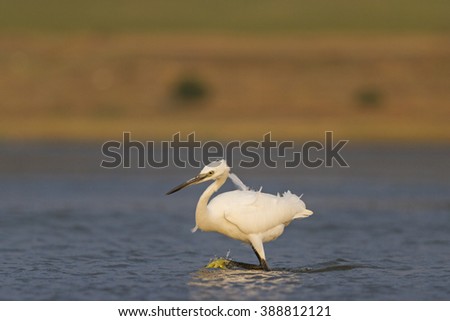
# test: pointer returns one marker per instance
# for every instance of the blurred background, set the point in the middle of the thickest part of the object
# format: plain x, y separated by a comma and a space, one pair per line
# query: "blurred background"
74, 74
88, 70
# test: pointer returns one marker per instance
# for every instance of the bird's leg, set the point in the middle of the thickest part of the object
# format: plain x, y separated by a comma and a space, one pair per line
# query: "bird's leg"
257, 247
243, 265
230, 263
262, 263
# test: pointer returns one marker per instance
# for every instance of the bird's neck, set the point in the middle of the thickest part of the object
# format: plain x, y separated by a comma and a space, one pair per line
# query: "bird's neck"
201, 213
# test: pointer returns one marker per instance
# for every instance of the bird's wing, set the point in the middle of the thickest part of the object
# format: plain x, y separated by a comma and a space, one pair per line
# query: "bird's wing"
256, 212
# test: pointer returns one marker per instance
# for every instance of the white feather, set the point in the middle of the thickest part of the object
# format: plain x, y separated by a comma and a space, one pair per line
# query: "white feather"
238, 183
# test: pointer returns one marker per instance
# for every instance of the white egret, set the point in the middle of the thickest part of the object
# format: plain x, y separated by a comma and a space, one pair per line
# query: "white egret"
249, 216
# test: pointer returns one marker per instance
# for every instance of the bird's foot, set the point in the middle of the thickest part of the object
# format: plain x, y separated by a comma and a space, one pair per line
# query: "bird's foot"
264, 265
248, 266
222, 263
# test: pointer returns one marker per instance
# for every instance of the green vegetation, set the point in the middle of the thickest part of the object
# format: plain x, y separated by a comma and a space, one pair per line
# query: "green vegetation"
189, 89
89, 70
254, 16
369, 97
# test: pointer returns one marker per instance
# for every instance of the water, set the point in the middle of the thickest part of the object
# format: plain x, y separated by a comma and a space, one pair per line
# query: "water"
70, 230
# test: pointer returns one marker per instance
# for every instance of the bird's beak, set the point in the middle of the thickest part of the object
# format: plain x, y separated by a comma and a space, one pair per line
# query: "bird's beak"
192, 181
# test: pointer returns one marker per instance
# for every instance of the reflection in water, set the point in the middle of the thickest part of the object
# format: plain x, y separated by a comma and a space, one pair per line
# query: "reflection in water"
330, 266
214, 284
238, 284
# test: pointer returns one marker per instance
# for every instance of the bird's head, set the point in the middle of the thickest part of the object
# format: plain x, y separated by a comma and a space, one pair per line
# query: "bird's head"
211, 171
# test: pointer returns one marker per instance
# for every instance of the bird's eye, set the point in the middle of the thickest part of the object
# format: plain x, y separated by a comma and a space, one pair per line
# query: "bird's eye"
211, 172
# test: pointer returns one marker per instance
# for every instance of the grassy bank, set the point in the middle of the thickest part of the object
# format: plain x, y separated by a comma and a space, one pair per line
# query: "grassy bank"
90, 70
93, 86
254, 16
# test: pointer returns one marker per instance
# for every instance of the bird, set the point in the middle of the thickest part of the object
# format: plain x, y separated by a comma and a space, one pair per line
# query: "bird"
249, 216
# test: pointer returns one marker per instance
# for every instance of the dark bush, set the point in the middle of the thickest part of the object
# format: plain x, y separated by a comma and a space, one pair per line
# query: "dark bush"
369, 97
190, 89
